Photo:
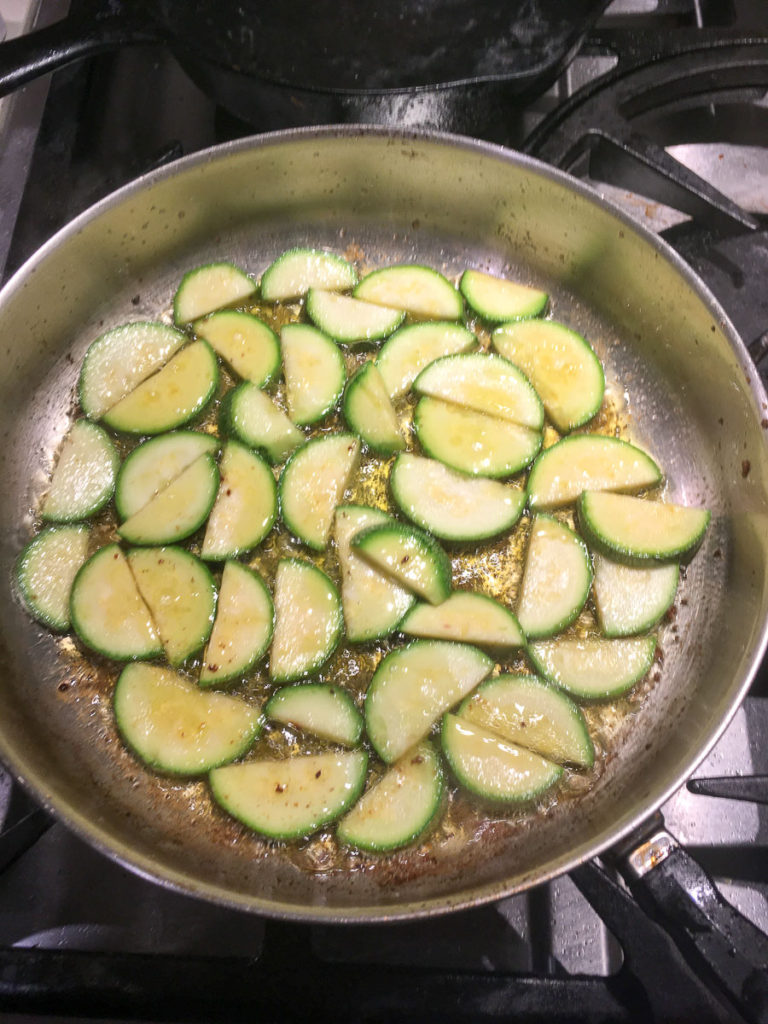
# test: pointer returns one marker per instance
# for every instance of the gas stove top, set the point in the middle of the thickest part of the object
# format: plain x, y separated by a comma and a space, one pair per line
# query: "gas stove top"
664, 110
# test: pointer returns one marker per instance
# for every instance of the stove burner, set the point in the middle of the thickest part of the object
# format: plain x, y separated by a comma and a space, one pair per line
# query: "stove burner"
299, 974
702, 90
735, 267
608, 127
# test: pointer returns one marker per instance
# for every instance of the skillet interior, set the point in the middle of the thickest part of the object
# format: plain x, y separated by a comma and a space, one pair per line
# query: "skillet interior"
693, 400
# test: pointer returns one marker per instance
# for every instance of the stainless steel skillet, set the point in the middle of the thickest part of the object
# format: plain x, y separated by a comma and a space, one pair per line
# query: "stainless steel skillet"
693, 399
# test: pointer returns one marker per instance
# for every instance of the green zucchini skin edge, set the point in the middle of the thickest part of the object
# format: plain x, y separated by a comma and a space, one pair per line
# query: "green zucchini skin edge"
472, 358
412, 836
159, 766
441, 564
320, 661
207, 442
315, 824
683, 553
594, 698
382, 628
560, 625
334, 692
57, 625
258, 653
402, 340
84, 636
492, 799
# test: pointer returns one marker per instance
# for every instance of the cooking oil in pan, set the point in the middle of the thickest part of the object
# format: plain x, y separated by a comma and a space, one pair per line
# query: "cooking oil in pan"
493, 568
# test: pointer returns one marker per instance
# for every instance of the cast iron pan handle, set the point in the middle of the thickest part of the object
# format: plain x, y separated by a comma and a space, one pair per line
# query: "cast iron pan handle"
718, 942
101, 26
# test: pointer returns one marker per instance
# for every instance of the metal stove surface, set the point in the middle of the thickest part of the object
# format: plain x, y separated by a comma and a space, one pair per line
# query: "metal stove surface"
61, 895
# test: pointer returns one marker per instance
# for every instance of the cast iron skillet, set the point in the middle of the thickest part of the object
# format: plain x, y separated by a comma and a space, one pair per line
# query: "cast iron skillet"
694, 400
457, 64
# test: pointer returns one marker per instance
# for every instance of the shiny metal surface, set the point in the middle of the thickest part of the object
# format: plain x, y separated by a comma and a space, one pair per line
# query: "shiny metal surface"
694, 400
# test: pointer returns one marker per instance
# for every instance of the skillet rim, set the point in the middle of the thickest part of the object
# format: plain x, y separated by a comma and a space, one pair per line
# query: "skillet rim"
145, 867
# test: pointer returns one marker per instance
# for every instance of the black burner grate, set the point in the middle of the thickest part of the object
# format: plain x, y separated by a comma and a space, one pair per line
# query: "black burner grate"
690, 89
606, 128
293, 979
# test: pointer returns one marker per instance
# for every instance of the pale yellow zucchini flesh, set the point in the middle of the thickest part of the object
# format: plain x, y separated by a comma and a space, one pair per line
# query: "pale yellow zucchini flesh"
245, 506
108, 612
208, 288
292, 797
418, 290
179, 509
636, 528
467, 617
350, 320
308, 620
557, 575
120, 359
244, 342
494, 768
319, 709
452, 505
313, 483
180, 593
176, 727
413, 686
242, 628
397, 809
485, 383
632, 599
172, 396
46, 570
84, 476
593, 668
588, 462
560, 364
373, 603
408, 351
532, 714
293, 273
